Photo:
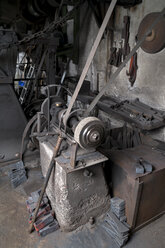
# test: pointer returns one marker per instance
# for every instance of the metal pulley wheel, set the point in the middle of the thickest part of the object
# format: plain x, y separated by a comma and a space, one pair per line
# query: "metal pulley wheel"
89, 132
155, 41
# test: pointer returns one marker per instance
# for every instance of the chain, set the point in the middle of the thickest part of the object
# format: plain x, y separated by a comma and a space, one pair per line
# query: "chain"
60, 22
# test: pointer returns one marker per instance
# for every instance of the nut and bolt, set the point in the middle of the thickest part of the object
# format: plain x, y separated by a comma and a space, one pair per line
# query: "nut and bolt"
87, 173
91, 221
2, 156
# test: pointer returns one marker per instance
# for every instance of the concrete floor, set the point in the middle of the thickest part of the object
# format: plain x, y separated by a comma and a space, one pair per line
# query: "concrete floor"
14, 224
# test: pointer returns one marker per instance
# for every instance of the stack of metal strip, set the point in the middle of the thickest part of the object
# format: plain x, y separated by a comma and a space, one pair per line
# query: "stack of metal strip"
118, 207
115, 222
45, 222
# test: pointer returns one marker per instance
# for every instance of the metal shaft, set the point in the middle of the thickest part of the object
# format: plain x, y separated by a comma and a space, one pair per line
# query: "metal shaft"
114, 76
90, 57
56, 149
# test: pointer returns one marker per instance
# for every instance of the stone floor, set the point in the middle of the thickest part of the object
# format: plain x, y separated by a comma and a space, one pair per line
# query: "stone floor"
14, 224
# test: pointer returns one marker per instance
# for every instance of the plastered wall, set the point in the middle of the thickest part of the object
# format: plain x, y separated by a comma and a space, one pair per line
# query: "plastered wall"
150, 83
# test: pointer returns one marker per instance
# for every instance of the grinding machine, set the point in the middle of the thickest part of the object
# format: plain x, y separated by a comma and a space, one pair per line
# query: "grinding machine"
77, 188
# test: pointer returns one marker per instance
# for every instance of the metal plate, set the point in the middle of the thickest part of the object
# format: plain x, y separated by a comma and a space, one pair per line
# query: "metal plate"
90, 159
155, 42
12, 123
8, 57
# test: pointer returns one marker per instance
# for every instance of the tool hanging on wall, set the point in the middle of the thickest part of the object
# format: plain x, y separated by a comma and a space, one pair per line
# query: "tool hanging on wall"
125, 36
117, 72
112, 60
118, 55
132, 69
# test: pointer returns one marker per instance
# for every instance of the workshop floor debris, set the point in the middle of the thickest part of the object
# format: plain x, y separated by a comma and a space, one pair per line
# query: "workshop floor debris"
14, 225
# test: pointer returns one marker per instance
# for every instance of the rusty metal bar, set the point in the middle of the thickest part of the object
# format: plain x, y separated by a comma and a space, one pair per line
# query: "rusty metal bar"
56, 150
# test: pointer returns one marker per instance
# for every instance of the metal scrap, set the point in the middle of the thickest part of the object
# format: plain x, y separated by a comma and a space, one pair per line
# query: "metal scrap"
45, 222
17, 174
142, 115
116, 229
115, 222
53, 226
125, 137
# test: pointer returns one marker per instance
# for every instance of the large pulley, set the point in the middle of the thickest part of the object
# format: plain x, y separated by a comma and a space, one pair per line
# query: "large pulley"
155, 41
89, 133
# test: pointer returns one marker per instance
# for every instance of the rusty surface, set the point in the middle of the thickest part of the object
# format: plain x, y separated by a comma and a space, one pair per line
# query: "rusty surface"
155, 41
144, 116
152, 201
144, 194
127, 159
74, 148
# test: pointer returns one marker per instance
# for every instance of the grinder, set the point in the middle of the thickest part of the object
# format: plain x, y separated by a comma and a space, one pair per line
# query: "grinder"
155, 41
88, 132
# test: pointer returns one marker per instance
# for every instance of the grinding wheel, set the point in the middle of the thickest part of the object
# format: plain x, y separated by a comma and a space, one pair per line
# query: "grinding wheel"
154, 42
89, 132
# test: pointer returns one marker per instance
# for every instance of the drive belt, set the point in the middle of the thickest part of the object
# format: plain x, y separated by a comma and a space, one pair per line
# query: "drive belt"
90, 58
117, 72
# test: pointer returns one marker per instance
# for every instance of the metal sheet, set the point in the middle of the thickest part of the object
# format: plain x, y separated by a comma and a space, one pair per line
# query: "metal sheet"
12, 123
8, 56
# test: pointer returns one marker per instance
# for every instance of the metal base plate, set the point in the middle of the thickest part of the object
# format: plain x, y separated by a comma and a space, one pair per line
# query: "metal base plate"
12, 124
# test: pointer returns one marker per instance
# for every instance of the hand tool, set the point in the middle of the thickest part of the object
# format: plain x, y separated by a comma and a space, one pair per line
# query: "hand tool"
132, 69
125, 36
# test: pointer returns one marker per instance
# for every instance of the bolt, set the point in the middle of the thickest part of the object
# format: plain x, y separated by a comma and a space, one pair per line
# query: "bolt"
17, 155
95, 136
81, 163
91, 221
87, 173
2, 156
